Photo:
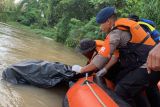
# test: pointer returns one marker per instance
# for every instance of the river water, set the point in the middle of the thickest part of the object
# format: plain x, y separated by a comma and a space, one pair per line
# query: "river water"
19, 45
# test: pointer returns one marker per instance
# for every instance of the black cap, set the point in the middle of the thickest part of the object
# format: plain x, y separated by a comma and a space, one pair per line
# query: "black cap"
86, 45
104, 14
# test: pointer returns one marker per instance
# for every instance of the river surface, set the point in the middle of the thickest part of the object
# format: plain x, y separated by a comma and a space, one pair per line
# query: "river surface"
18, 45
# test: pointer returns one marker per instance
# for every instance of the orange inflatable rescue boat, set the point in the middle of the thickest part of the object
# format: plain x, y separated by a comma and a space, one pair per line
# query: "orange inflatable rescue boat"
92, 92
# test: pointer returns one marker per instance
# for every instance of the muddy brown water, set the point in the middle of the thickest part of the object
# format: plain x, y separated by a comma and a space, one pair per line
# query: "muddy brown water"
18, 45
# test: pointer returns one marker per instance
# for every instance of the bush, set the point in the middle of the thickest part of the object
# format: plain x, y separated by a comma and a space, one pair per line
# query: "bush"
30, 17
62, 30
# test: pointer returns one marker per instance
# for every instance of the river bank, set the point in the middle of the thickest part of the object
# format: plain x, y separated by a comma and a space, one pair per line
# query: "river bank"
47, 32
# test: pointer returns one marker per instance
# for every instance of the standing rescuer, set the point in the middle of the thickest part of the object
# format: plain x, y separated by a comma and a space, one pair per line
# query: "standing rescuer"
133, 44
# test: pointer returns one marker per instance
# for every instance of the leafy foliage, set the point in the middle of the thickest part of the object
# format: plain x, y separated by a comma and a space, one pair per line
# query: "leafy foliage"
7, 10
72, 20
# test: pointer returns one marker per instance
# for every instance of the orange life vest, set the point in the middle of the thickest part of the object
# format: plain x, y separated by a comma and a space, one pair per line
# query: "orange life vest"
99, 44
137, 32
136, 52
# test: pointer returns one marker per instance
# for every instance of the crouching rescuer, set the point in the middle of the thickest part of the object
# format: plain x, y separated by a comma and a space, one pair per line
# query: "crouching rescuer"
133, 44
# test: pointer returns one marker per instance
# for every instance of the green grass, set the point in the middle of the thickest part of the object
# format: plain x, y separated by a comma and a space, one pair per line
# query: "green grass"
48, 32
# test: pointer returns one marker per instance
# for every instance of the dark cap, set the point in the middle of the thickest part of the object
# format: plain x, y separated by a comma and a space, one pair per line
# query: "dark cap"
104, 14
86, 45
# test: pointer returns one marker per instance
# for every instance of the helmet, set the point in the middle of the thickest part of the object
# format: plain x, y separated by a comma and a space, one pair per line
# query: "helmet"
104, 14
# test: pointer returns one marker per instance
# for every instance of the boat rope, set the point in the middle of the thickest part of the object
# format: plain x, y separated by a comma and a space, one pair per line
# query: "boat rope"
94, 93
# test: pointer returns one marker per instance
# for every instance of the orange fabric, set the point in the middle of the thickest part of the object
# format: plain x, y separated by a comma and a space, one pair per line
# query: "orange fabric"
149, 41
105, 49
116, 53
125, 22
99, 44
80, 95
158, 85
137, 32
110, 84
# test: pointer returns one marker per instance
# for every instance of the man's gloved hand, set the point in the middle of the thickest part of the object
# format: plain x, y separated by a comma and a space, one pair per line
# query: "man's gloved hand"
76, 68
101, 72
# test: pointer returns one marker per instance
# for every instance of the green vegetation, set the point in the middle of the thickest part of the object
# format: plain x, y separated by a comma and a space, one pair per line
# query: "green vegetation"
48, 32
68, 21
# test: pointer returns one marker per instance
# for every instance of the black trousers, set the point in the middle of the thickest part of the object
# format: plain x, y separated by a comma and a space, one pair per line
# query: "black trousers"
131, 84
152, 91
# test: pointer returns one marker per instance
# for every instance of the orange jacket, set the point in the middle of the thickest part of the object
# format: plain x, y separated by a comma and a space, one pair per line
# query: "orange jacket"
138, 47
100, 43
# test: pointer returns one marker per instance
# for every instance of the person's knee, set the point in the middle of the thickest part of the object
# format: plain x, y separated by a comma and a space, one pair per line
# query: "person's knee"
123, 93
120, 91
